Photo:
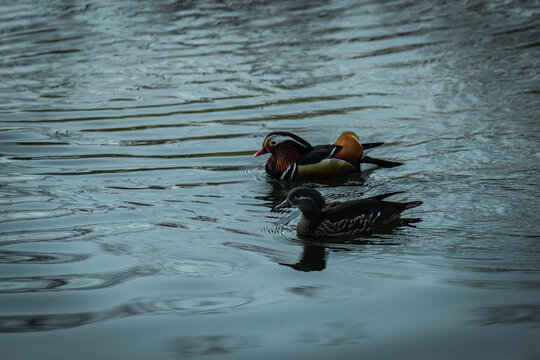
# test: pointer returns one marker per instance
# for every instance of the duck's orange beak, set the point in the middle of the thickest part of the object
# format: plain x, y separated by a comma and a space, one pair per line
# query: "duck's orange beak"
261, 152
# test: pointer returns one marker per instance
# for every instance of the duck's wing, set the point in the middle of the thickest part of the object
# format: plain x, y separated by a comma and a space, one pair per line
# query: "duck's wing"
380, 162
353, 209
332, 204
351, 217
373, 208
318, 154
384, 196
322, 162
351, 150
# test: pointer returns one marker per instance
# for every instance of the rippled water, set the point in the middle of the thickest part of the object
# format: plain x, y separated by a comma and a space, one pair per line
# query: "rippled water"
136, 224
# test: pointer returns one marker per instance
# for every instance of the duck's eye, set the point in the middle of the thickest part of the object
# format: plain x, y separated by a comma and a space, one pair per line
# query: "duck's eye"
298, 196
273, 142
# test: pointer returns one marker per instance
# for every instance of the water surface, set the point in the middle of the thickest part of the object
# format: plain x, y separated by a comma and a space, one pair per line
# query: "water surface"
135, 222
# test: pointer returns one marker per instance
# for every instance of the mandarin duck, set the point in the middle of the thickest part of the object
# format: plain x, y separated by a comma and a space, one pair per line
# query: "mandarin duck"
342, 218
293, 158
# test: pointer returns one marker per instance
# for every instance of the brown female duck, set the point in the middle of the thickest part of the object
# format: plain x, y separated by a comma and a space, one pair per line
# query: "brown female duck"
342, 218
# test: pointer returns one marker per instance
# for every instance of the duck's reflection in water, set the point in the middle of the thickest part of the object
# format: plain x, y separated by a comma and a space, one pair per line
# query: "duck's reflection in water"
313, 258
314, 255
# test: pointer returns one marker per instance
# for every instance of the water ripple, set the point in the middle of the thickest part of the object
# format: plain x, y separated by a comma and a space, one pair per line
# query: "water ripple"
126, 138
28, 257
52, 235
214, 304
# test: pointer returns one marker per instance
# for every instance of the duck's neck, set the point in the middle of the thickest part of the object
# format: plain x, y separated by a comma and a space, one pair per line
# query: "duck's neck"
284, 157
310, 220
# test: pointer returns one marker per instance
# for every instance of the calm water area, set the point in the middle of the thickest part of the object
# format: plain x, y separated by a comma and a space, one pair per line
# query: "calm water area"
136, 224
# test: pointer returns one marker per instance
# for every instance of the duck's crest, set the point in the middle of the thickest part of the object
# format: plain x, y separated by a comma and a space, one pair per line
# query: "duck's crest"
291, 137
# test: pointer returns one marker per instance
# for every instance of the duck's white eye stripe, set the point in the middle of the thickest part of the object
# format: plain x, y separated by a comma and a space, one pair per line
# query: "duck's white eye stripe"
280, 139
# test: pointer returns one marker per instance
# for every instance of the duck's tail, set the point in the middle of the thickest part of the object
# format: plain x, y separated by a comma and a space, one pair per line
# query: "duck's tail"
380, 162
384, 196
412, 204
370, 146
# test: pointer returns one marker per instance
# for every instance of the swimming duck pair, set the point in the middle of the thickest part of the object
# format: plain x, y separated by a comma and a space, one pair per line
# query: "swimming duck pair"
293, 158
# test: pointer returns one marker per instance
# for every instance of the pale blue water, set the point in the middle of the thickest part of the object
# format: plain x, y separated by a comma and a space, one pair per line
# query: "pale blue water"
135, 222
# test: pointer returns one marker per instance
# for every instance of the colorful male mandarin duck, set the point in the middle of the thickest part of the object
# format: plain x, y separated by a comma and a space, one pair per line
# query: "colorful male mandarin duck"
342, 218
293, 158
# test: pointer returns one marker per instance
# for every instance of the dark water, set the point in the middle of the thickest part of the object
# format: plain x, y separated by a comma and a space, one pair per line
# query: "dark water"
136, 224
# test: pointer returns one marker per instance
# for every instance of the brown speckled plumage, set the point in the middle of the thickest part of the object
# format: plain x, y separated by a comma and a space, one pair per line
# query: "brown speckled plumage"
342, 218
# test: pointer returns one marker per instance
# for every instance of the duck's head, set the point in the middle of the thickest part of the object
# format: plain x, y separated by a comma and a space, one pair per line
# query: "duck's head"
279, 143
304, 198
